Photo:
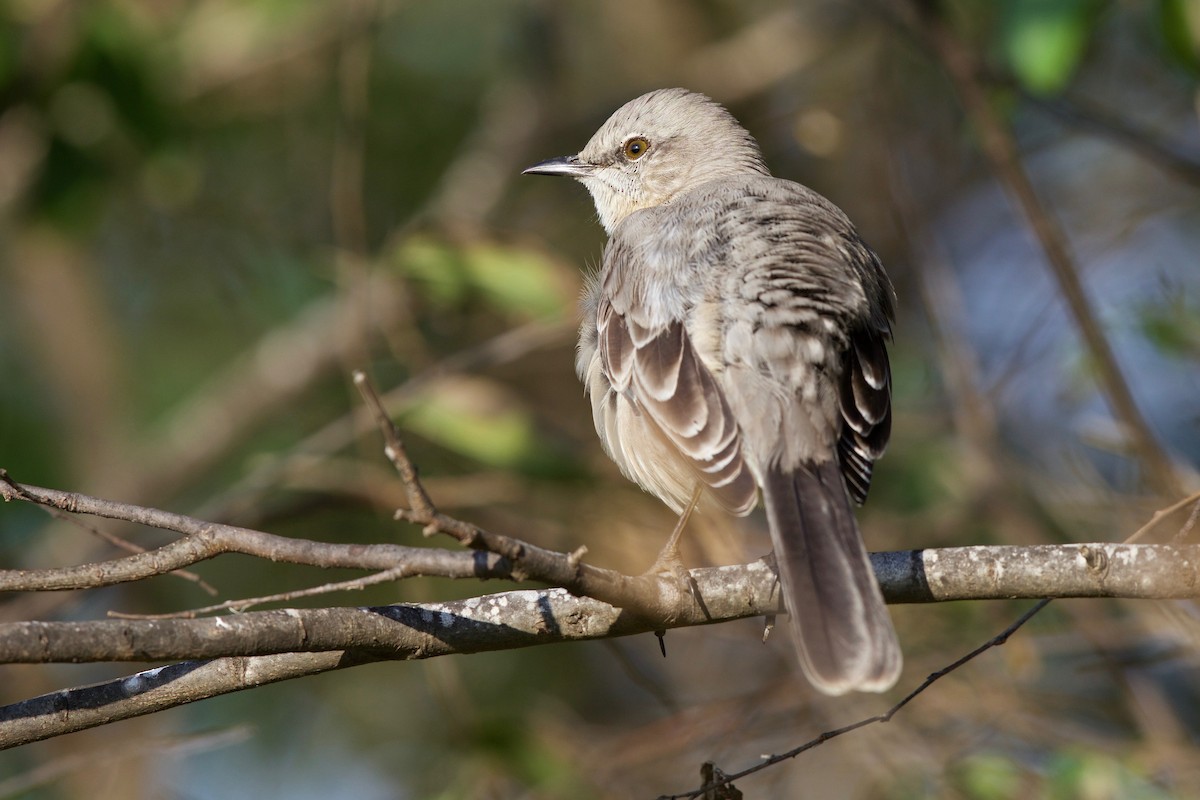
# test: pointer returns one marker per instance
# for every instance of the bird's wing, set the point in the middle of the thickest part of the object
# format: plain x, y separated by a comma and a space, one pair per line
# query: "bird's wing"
655, 368
865, 398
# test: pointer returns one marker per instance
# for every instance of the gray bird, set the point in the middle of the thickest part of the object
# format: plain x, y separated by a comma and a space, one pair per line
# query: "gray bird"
733, 343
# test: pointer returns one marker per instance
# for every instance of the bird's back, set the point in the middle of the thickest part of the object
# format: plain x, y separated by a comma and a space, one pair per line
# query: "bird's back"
773, 280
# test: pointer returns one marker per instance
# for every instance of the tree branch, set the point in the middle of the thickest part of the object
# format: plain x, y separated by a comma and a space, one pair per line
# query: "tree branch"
510, 620
157, 689
206, 540
263, 647
496, 556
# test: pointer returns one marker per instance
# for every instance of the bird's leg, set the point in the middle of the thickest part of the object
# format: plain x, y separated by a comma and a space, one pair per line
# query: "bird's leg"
669, 560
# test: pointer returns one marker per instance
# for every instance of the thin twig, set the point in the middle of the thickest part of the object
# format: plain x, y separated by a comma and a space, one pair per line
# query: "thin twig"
241, 605
886, 716
1162, 514
420, 505
1187, 526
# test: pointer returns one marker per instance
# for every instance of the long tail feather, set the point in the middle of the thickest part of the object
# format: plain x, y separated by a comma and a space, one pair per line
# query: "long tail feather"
840, 624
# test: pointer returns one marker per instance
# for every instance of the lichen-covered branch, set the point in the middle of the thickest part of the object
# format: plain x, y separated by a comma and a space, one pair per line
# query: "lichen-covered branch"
248, 650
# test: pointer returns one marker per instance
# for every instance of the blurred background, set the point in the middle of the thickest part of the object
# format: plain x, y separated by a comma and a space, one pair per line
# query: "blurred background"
212, 211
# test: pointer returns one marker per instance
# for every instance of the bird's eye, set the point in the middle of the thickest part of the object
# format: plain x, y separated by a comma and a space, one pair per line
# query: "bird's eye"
636, 147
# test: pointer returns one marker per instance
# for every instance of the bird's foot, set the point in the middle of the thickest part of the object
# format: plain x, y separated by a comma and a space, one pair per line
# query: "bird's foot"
669, 561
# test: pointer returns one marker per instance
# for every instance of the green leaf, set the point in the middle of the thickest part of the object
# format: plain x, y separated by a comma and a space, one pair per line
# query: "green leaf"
475, 417
989, 776
1172, 327
1044, 40
520, 282
1180, 24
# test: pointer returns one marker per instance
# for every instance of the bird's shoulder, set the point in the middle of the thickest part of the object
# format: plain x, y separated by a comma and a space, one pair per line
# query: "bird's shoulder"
762, 198
751, 233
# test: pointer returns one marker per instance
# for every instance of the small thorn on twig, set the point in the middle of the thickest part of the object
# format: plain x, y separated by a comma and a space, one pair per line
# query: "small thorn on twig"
768, 626
576, 556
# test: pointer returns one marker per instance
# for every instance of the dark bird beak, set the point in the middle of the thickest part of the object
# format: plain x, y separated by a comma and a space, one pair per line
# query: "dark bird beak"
570, 166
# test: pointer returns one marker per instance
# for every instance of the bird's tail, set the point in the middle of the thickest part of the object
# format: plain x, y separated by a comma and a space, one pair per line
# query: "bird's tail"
841, 626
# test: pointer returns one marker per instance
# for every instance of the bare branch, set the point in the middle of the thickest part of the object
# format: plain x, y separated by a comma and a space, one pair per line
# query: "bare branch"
115, 541
207, 539
502, 621
1136, 571
496, 556
157, 689
268, 646
252, 649
1086, 570
513, 619
522, 618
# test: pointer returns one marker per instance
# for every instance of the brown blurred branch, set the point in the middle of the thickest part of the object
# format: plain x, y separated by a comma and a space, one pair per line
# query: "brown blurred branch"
1170, 158
267, 377
999, 147
81, 760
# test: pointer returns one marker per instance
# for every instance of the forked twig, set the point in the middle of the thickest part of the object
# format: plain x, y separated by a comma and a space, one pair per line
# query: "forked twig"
116, 541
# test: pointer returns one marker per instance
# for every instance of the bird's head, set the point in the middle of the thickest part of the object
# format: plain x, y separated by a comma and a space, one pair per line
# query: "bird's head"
655, 148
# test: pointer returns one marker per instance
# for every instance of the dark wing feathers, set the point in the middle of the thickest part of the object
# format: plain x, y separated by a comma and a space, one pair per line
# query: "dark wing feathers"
865, 394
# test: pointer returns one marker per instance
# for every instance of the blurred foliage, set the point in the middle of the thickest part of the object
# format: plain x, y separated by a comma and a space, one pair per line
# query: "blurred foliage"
1179, 21
1045, 41
1068, 776
211, 211
512, 280
1174, 326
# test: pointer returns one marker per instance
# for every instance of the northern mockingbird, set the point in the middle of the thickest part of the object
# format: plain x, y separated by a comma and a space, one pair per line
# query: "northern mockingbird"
732, 344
